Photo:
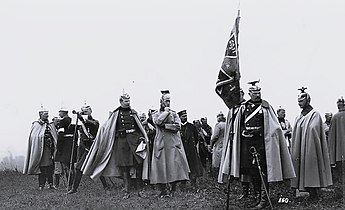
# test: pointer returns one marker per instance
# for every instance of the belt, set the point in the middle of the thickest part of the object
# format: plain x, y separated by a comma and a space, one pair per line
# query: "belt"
68, 135
253, 128
130, 131
124, 132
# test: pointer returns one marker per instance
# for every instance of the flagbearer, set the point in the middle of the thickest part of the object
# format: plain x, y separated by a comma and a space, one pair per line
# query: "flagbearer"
259, 141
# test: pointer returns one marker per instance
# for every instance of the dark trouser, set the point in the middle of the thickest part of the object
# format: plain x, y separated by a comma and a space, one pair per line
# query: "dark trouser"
46, 175
78, 176
105, 184
68, 173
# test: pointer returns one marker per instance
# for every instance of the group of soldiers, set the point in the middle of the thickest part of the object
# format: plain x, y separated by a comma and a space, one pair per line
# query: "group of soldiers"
160, 150
262, 147
252, 144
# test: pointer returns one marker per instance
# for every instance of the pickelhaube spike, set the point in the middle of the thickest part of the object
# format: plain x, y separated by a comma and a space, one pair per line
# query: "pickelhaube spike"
253, 83
302, 89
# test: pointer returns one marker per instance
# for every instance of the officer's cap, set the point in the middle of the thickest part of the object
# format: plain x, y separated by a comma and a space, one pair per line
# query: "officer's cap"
328, 114
182, 112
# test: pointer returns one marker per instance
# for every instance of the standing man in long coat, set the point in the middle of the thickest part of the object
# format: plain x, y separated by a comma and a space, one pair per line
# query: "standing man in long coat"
117, 150
256, 127
309, 149
39, 158
337, 133
336, 139
189, 136
169, 162
216, 143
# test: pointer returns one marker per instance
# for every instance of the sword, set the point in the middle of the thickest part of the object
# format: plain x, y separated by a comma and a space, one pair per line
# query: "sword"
255, 155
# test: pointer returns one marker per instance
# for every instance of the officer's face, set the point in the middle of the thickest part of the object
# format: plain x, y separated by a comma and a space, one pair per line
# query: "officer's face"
340, 105
44, 115
302, 102
125, 103
197, 123
328, 118
62, 114
142, 117
255, 96
281, 113
219, 118
165, 103
204, 121
183, 118
86, 112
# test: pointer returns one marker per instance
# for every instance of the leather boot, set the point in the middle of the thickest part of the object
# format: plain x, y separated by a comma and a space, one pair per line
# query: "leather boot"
57, 180
245, 191
76, 182
313, 194
257, 191
263, 198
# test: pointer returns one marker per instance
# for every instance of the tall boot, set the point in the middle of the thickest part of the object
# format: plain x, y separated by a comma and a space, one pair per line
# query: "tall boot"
126, 180
163, 190
313, 193
104, 183
257, 190
71, 178
172, 189
41, 181
76, 182
245, 191
140, 187
56, 180
263, 198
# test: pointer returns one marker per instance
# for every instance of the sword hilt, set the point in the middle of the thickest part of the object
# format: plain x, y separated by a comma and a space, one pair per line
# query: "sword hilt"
253, 150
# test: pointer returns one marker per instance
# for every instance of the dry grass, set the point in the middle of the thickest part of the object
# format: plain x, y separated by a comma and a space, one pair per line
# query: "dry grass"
20, 192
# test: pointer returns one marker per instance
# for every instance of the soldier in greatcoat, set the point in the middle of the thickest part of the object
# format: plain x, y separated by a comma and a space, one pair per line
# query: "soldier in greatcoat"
169, 163
39, 158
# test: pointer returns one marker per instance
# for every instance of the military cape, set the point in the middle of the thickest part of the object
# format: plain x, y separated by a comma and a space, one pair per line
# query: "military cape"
336, 137
309, 153
101, 152
278, 160
35, 147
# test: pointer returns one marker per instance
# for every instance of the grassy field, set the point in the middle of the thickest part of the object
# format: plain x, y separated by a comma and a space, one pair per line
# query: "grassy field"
21, 192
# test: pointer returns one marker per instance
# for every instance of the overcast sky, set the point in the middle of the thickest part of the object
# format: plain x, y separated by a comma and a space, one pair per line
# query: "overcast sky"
61, 53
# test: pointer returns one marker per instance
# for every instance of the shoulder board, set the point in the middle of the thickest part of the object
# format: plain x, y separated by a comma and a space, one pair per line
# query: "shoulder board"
265, 104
